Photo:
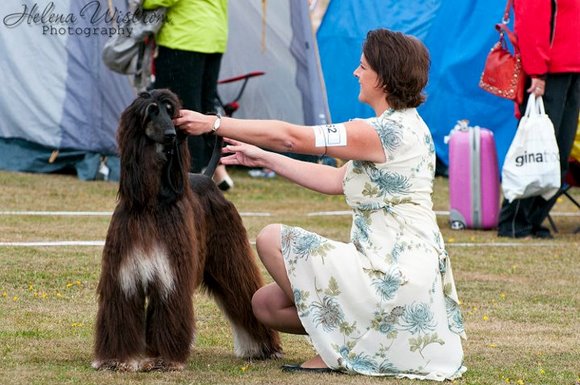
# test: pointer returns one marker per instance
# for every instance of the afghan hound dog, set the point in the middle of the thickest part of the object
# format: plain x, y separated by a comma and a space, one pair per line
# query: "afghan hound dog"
171, 233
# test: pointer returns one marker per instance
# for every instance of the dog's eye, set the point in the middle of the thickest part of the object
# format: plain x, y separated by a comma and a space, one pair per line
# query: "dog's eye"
152, 110
169, 109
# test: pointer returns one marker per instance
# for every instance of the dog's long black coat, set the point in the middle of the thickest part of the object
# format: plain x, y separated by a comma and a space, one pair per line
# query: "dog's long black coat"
170, 233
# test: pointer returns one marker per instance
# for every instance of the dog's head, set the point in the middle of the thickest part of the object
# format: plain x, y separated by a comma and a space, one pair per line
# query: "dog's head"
153, 152
150, 117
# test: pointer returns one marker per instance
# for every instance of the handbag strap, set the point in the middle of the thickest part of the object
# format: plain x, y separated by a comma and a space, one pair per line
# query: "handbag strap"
503, 28
506, 12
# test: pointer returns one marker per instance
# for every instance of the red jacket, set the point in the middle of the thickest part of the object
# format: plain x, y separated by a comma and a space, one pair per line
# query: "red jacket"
542, 53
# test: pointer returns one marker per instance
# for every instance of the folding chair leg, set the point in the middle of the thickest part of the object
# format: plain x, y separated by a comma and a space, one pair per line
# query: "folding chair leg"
552, 224
571, 198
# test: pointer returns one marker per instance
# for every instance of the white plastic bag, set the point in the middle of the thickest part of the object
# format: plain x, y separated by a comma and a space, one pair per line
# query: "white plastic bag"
532, 163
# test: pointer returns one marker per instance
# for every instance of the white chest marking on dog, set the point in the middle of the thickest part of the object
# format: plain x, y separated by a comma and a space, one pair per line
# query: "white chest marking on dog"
145, 269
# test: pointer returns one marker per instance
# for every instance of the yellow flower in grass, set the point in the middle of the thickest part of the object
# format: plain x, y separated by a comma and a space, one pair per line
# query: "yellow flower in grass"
485, 317
75, 283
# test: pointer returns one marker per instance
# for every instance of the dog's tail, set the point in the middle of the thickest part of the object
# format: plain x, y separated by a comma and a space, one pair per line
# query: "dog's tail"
215, 156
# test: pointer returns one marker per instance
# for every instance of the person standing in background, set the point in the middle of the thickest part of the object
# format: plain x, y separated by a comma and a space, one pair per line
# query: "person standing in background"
549, 42
190, 48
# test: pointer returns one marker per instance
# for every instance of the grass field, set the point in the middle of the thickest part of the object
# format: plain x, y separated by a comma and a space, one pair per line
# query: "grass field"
520, 298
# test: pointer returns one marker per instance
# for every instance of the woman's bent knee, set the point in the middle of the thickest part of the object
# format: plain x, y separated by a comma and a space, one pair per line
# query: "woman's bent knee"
260, 305
268, 238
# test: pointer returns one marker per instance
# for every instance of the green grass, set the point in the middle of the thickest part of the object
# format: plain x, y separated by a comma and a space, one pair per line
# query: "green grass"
520, 297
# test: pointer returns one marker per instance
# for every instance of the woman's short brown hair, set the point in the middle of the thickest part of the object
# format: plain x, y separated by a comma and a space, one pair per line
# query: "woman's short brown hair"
402, 64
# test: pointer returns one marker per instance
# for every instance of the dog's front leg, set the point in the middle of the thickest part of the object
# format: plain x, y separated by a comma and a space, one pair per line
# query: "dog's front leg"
119, 333
169, 330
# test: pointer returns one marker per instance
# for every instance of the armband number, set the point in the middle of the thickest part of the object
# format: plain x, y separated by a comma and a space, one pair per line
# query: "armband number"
330, 135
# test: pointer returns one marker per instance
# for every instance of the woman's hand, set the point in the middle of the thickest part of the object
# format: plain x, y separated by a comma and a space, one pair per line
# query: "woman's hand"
538, 87
242, 154
193, 122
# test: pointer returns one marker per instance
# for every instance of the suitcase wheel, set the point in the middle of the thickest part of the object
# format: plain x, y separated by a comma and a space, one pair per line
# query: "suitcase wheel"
457, 225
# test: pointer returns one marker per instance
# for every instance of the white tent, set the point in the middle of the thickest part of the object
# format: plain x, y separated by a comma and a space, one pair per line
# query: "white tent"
59, 104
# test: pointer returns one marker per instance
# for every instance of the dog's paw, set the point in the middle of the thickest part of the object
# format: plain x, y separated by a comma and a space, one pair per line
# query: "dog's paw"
160, 365
266, 348
114, 365
268, 353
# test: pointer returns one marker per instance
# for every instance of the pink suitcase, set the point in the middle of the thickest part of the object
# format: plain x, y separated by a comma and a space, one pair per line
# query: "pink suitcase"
474, 187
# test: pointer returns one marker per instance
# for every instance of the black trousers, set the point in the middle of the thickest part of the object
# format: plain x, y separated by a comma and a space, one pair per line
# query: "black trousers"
193, 76
561, 98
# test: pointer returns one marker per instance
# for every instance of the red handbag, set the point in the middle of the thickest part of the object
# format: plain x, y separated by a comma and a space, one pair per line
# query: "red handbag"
503, 75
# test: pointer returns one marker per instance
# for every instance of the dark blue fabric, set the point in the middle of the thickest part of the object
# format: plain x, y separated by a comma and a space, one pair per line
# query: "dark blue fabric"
459, 35
25, 156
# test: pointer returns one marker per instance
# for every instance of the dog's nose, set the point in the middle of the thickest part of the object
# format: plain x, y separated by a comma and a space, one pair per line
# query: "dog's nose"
169, 136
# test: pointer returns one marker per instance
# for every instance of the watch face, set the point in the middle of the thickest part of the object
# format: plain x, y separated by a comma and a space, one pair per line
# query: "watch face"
217, 123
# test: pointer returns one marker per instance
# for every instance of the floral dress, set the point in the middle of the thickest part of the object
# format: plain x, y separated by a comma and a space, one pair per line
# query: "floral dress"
384, 304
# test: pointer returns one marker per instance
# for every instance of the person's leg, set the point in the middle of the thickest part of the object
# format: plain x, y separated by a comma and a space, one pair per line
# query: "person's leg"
273, 304
561, 101
514, 219
181, 72
208, 94
268, 245
211, 70
222, 178
273, 308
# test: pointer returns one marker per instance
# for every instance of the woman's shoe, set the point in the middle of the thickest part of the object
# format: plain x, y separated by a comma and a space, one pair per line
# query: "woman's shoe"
291, 368
225, 184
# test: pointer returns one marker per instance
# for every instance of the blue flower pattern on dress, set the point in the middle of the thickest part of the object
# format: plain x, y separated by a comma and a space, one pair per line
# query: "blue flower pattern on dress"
388, 284
327, 313
389, 183
418, 318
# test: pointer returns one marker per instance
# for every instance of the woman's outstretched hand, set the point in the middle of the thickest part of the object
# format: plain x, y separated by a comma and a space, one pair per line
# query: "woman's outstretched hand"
193, 122
243, 154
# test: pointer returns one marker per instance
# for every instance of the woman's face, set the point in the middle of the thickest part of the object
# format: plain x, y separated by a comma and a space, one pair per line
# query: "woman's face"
370, 91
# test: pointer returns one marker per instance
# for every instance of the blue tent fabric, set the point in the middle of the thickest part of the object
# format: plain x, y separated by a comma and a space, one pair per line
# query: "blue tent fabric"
458, 35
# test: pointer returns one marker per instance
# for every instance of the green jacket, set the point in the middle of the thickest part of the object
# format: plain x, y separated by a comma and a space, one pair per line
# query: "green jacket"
193, 25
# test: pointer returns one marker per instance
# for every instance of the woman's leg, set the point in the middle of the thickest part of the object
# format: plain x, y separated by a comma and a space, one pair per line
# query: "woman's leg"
273, 308
273, 304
